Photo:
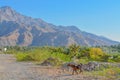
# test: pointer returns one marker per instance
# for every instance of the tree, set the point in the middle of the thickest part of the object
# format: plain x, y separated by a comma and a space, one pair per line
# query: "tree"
74, 50
85, 52
96, 53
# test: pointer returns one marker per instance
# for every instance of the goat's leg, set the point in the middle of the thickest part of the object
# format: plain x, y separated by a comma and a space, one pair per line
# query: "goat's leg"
81, 71
73, 72
76, 71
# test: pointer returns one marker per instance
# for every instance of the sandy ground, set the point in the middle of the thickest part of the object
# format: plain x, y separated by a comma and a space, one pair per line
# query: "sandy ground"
10, 69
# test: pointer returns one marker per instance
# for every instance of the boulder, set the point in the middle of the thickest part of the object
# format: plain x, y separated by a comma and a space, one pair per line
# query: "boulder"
50, 62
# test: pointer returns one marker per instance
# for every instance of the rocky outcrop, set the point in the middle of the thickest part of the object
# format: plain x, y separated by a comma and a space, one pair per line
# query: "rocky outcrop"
90, 66
50, 62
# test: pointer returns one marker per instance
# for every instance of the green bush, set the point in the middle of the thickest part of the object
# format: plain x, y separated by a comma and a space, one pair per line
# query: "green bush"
65, 54
23, 57
41, 54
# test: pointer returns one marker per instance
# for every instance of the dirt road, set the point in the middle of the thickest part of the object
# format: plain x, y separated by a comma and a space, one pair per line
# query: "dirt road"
10, 69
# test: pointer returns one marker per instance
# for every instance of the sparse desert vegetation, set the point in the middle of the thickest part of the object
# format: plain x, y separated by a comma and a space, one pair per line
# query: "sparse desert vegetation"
71, 53
108, 64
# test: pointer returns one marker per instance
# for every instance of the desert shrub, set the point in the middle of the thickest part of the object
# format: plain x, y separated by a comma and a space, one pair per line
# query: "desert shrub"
23, 57
84, 52
116, 58
84, 60
74, 50
61, 56
41, 54
96, 53
112, 73
65, 54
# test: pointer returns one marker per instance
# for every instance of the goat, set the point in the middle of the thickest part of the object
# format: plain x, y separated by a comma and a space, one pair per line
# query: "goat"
75, 68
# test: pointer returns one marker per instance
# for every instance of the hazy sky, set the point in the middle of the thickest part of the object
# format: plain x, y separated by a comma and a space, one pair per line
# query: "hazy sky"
101, 17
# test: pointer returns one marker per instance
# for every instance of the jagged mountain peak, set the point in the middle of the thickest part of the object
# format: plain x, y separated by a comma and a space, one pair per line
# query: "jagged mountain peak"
8, 11
8, 14
6, 8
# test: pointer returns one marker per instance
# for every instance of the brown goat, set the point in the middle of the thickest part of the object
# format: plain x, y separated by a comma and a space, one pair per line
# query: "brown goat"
75, 68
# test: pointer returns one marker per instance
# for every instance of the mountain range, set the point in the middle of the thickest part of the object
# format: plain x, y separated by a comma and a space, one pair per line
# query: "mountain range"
18, 29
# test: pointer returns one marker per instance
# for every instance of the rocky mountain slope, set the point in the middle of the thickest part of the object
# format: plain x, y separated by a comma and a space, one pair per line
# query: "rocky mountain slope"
17, 29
